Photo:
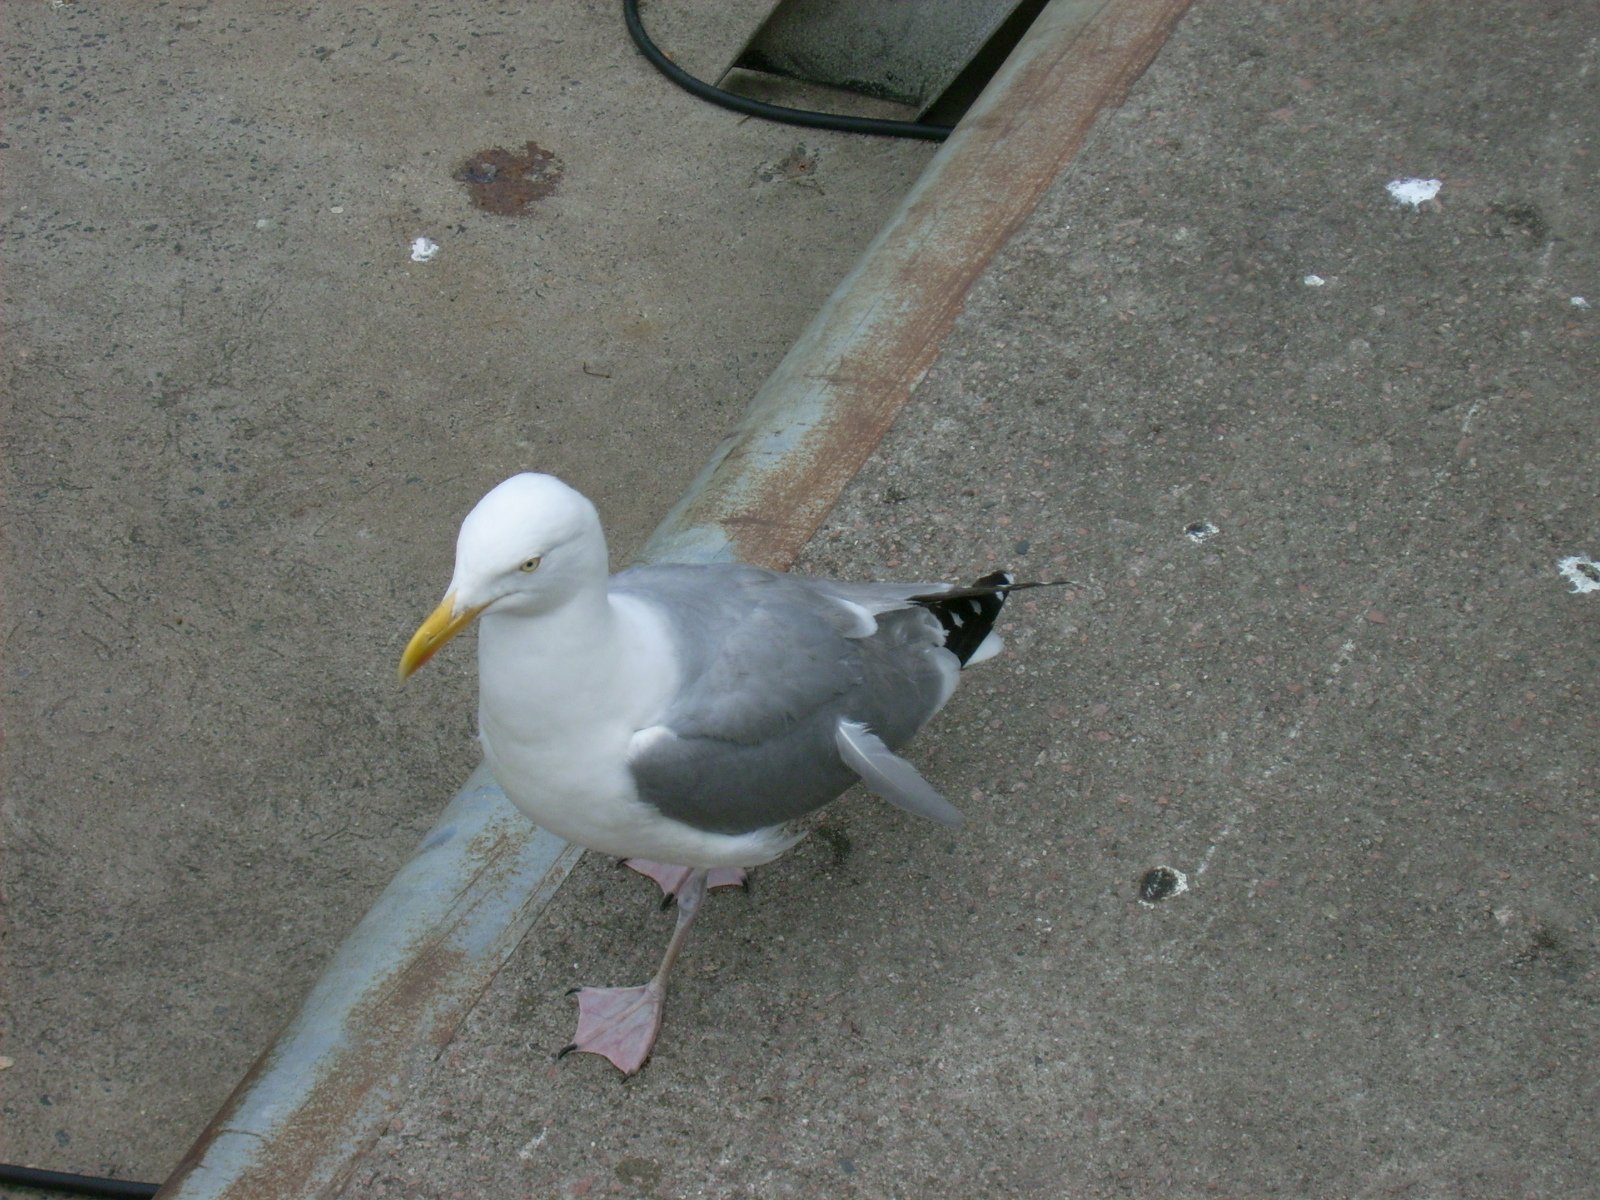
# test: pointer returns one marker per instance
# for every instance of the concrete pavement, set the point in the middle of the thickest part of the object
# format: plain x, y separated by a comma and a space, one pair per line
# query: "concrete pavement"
1358, 716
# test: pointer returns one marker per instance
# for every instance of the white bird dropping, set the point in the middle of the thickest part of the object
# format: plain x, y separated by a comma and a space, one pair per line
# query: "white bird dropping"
1582, 572
1414, 192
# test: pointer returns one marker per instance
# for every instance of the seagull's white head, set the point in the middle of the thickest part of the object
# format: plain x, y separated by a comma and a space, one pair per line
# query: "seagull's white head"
530, 545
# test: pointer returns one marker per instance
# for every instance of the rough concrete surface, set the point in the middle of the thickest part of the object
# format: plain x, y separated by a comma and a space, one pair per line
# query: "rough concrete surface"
1360, 717
241, 425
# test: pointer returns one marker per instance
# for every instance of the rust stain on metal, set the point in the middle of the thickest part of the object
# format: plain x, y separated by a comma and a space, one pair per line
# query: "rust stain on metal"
507, 183
1009, 154
217, 1125
379, 1049
406, 1022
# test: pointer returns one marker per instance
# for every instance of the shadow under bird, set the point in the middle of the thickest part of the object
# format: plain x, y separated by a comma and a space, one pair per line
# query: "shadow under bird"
688, 718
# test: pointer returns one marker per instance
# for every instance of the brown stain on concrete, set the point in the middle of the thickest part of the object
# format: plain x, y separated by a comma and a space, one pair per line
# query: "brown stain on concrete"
508, 183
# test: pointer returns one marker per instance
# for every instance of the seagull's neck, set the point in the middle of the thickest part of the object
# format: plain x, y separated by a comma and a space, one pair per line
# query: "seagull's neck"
544, 649
572, 668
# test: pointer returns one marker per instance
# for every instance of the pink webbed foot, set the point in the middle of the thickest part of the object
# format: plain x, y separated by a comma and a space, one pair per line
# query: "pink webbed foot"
620, 1024
671, 878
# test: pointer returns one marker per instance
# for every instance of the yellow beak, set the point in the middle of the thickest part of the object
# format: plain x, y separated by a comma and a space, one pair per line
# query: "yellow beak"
443, 623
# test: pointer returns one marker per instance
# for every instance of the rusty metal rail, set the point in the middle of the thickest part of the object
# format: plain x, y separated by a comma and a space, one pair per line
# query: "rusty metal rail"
402, 982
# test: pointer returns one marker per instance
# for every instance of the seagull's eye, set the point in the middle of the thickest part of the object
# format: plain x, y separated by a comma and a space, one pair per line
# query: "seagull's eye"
530, 566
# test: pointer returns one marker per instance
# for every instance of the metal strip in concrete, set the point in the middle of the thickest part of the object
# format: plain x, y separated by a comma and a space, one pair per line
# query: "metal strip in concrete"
398, 987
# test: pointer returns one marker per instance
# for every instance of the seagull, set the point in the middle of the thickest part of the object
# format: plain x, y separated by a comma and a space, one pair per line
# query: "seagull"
687, 719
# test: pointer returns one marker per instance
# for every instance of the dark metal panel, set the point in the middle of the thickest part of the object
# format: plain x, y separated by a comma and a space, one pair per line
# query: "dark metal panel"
903, 50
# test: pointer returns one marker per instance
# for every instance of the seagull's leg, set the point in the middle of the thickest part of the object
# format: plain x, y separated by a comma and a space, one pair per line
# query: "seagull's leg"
671, 878
622, 1023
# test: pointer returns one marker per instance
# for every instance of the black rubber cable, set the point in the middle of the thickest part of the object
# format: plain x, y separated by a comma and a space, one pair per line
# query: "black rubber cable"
80, 1185
771, 112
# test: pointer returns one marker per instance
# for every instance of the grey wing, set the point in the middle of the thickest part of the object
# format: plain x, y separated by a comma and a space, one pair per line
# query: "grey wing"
773, 666
891, 776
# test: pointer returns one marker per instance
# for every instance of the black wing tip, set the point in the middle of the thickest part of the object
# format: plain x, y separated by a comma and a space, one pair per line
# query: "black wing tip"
969, 613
